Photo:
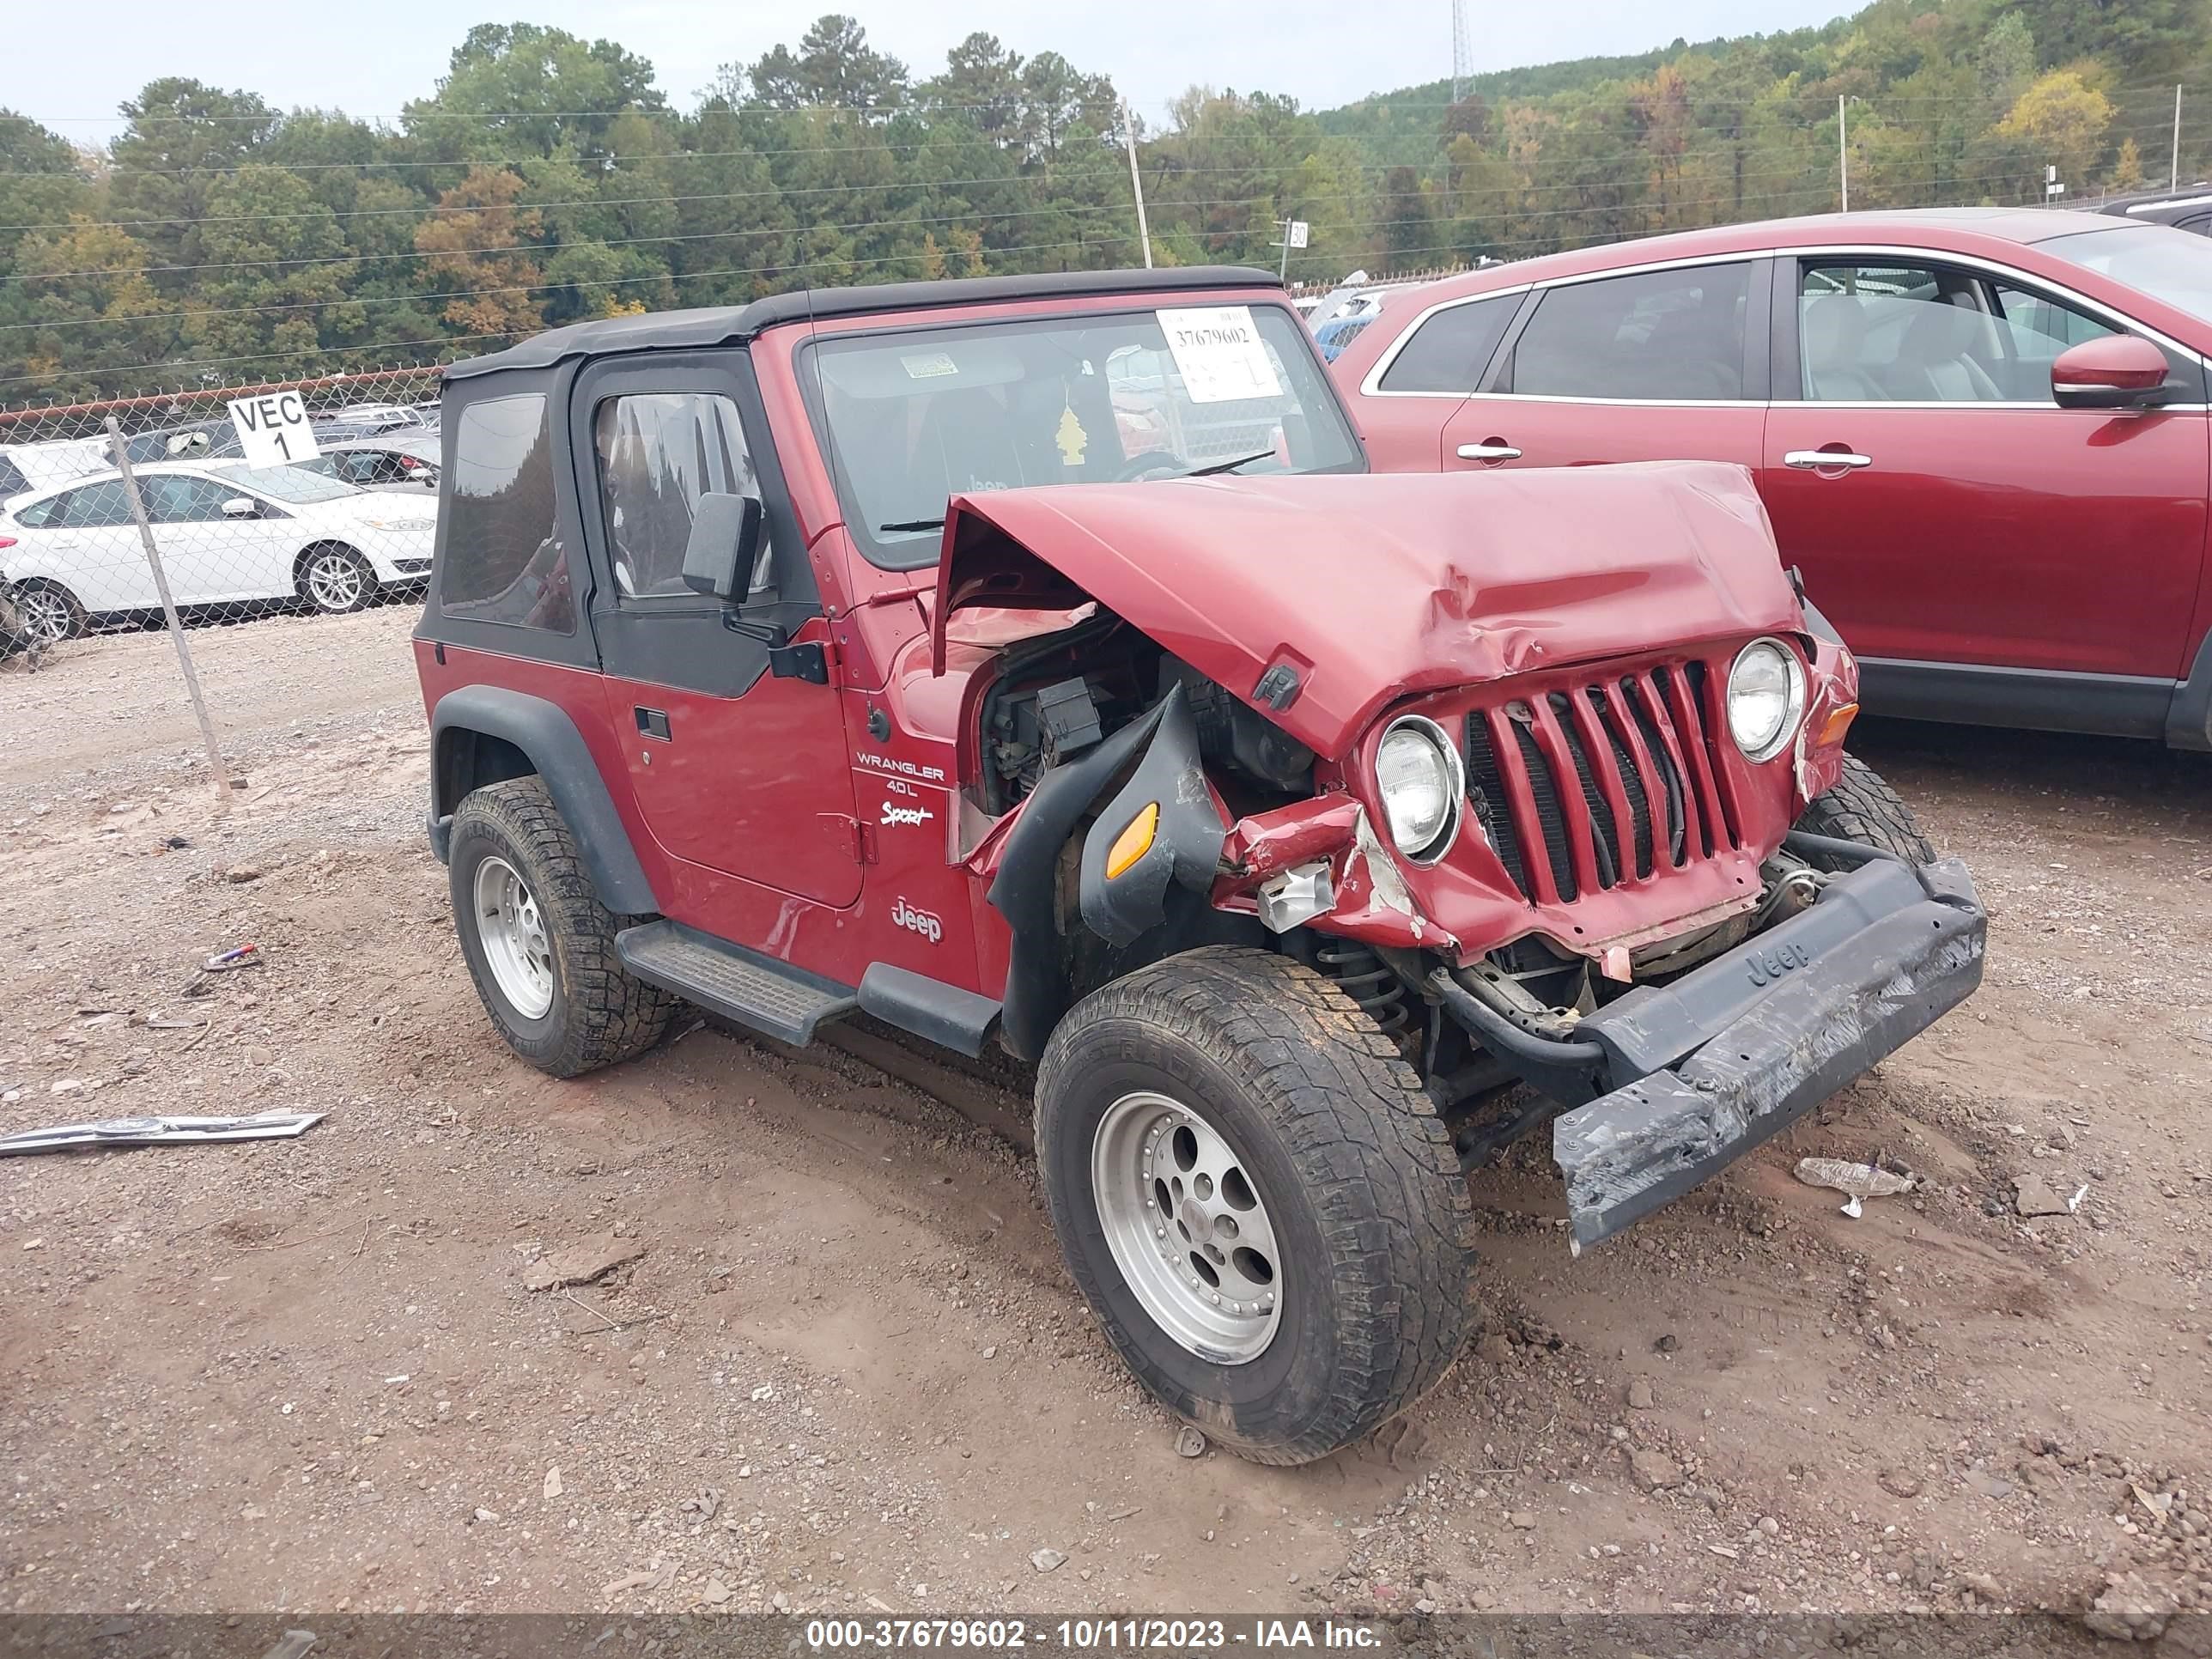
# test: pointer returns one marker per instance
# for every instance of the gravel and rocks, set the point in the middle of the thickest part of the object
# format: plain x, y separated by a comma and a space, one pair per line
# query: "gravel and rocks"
308, 1375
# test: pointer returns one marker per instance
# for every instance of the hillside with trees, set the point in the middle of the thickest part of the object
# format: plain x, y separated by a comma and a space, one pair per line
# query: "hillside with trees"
548, 178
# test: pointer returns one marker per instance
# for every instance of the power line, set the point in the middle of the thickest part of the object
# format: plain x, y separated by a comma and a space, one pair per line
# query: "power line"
392, 345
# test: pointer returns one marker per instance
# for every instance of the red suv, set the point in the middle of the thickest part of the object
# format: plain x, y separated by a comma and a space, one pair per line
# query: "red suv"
1981, 434
1034, 662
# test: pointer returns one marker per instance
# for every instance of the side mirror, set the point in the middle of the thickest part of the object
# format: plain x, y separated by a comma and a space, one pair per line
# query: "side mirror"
726, 538
239, 507
2117, 371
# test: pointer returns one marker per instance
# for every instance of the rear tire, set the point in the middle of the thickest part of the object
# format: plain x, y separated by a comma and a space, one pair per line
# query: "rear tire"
336, 580
1243, 1084
539, 945
50, 612
1861, 807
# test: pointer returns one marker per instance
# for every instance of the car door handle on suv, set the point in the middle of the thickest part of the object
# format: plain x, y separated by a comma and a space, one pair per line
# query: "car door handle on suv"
1817, 460
1489, 451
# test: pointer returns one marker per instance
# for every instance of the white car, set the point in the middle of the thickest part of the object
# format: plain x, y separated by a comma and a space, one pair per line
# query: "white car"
228, 534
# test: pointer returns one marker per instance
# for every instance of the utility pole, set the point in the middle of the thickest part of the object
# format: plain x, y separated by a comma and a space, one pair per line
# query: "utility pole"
1462, 57
1844, 152
2173, 175
1136, 184
169, 613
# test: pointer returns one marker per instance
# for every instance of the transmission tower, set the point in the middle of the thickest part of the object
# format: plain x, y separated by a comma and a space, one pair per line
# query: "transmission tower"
1462, 56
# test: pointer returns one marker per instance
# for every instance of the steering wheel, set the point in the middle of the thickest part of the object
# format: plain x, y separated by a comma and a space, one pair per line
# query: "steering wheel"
1150, 464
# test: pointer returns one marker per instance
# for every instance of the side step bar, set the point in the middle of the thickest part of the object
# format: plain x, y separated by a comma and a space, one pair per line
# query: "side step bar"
757, 992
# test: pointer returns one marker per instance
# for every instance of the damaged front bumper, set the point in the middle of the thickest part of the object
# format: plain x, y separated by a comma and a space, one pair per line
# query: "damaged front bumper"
1700, 1071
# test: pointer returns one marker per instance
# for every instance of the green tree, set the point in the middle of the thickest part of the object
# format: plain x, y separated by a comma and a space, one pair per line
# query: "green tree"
833, 64
181, 138
278, 274
516, 90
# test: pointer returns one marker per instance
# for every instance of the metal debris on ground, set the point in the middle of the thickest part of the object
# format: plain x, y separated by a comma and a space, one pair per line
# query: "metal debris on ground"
160, 1132
1190, 1441
1856, 1182
224, 962
293, 1645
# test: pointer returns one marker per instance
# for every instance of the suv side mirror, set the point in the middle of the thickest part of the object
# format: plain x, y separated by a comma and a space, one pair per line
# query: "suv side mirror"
726, 535
239, 507
2117, 371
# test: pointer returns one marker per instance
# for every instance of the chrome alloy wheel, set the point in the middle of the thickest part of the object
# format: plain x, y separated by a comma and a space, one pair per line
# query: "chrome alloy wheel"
46, 614
514, 935
1187, 1227
334, 580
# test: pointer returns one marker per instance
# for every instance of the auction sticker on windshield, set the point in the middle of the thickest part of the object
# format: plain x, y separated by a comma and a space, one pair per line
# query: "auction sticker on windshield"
1219, 353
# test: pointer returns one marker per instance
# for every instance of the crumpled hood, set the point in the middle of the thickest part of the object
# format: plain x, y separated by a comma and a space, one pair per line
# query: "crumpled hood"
1373, 585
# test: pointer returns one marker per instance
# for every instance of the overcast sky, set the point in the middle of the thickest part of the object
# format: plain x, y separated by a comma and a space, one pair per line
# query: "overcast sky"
69, 65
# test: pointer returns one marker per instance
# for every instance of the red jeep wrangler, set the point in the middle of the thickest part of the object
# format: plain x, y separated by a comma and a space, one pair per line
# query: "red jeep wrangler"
1034, 661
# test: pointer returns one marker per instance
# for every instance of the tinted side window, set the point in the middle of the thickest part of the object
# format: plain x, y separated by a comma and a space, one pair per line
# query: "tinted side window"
12, 481
39, 514
1675, 336
658, 453
500, 554
95, 507
173, 500
1449, 352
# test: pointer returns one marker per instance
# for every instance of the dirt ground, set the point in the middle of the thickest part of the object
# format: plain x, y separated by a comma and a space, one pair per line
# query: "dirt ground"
847, 1371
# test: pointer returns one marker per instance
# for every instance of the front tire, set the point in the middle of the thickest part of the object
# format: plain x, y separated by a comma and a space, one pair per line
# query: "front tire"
336, 580
1301, 1272
539, 945
1862, 807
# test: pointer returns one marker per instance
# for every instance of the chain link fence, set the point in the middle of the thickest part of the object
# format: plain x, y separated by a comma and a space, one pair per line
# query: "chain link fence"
150, 510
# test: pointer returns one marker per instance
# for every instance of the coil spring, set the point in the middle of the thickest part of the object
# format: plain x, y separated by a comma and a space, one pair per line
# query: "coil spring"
1377, 990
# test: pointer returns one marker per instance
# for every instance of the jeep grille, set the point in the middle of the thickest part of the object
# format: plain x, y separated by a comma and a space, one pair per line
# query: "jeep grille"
1600, 780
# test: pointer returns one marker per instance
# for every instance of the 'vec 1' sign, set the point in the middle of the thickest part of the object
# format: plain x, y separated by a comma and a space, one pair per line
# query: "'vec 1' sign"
273, 428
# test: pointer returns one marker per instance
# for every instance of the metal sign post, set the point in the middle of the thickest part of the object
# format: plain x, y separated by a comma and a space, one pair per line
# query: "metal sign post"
1296, 233
169, 611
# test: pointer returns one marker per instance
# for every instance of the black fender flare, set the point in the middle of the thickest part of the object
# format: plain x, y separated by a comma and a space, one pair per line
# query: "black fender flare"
1025, 890
545, 733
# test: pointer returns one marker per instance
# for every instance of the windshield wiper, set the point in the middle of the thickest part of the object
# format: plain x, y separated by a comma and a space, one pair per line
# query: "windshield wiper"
912, 524
1213, 467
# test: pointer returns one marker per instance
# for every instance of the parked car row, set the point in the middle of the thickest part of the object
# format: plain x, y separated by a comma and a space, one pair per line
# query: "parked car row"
228, 534
1982, 435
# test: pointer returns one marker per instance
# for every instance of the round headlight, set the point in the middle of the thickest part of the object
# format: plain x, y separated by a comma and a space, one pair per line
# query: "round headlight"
1418, 774
1766, 697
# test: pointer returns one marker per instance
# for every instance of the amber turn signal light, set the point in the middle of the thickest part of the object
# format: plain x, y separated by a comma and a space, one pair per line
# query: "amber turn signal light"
1839, 722
1135, 841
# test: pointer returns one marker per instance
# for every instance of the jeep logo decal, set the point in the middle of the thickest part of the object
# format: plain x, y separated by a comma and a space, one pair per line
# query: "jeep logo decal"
920, 921
1769, 967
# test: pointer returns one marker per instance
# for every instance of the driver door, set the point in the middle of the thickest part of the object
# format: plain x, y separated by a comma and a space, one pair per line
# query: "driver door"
736, 771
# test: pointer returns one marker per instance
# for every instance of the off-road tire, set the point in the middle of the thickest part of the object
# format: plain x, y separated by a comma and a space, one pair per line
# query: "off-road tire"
599, 1013
1861, 807
1370, 1212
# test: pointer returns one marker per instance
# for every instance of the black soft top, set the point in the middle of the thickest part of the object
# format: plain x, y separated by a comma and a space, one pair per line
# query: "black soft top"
715, 326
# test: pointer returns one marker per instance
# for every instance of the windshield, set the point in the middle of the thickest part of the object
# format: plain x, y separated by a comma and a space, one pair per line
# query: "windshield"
2172, 265
914, 416
289, 483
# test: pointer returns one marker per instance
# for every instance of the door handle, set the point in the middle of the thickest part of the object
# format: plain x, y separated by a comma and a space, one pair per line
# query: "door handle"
652, 723
1814, 460
1488, 452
